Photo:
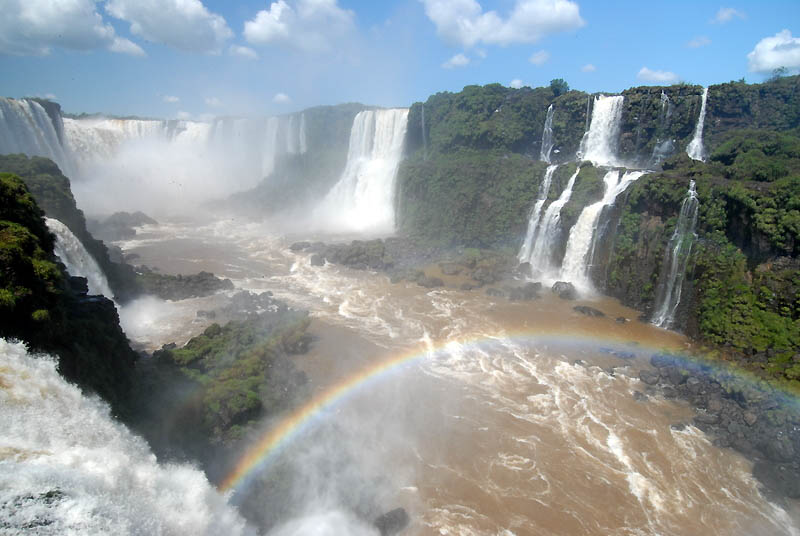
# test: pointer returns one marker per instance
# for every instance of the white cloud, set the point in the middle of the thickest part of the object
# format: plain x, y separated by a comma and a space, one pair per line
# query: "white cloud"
170, 99
308, 25
184, 24
34, 27
699, 41
539, 58
281, 98
214, 102
588, 68
459, 60
464, 23
727, 14
663, 77
243, 52
516, 83
780, 50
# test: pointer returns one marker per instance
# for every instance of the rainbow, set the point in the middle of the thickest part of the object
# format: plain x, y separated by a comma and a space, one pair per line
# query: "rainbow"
263, 452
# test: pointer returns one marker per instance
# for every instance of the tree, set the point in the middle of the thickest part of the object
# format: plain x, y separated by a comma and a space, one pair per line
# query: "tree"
780, 72
559, 86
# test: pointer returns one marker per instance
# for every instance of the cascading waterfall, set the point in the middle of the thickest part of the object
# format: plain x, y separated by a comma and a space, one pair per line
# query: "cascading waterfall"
664, 147
599, 144
547, 136
26, 127
548, 233
582, 236
77, 260
676, 258
66, 467
363, 199
695, 148
535, 217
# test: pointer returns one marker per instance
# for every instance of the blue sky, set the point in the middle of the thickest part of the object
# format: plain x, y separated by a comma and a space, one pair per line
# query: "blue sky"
193, 58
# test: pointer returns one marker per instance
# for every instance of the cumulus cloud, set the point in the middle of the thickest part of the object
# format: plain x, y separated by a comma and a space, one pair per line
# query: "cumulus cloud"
214, 102
170, 99
727, 14
699, 41
464, 23
459, 60
308, 25
516, 83
34, 27
281, 98
662, 77
243, 52
780, 50
539, 58
183, 24
588, 68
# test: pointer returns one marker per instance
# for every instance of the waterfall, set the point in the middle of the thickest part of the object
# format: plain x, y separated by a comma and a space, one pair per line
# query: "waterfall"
548, 232
69, 468
77, 260
676, 257
663, 147
547, 136
302, 135
536, 215
582, 236
26, 127
363, 199
599, 144
695, 147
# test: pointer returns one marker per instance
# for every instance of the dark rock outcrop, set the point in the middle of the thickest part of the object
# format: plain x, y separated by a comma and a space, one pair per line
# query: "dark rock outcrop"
565, 290
392, 522
180, 287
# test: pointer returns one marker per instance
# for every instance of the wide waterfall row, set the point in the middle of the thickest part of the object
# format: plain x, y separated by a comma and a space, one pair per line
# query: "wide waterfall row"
69, 468
676, 258
77, 260
363, 198
26, 127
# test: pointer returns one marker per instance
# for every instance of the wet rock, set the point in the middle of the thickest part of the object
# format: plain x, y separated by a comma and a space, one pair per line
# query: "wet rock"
430, 282
707, 418
525, 269
317, 259
648, 377
783, 478
621, 320
180, 287
779, 449
450, 268
640, 396
206, 314
676, 376
300, 246
678, 427
527, 292
588, 311
79, 285
484, 276
669, 392
393, 522
494, 292
750, 418
662, 360
714, 405
565, 290
467, 286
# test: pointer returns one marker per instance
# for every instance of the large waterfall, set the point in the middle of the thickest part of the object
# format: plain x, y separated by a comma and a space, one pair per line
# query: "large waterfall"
26, 127
77, 260
66, 467
547, 136
535, 217
599, 144
676, 257
582, 236
695, 148
548, 233
363, 199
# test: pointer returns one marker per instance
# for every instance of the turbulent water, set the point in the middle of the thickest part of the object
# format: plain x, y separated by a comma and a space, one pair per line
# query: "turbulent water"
518, 418
695, 148
599, 144
676, 257
78, 261
547, 136
363, 198
68, 468
526, 251
583, 235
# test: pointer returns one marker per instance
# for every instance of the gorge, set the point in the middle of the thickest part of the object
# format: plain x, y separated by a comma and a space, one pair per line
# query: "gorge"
390, 338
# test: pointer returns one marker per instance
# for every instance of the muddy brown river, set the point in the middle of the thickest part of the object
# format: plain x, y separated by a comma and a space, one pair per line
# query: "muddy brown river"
514, 418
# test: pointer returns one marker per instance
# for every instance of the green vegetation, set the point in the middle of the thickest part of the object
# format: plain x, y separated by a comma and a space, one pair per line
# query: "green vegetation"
230, 376
41, 307
51, 190
559, 86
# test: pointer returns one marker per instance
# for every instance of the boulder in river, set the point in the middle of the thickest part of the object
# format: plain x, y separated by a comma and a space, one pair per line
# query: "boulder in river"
392, 522
565, 290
